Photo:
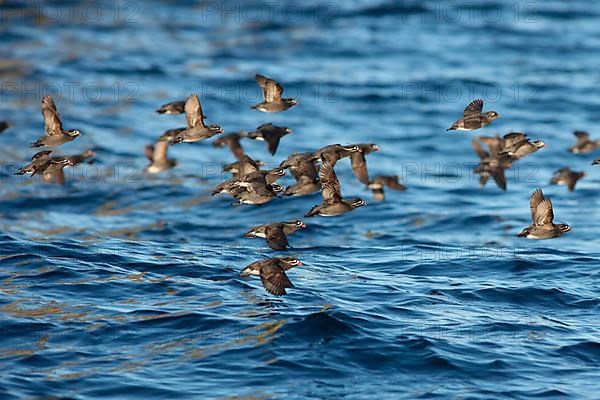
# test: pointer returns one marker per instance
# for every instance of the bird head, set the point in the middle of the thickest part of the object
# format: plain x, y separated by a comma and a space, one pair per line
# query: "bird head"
73, 133
492, 115
290, 262
564, 227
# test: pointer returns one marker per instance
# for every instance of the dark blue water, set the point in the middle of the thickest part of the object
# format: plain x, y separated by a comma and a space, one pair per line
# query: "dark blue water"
120, 285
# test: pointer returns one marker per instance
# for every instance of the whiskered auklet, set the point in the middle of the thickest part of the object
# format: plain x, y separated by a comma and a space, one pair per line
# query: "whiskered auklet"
303, 168
333, 204
517, 145
276, 233
196, 129
542, 217
565, 176
39, 162
474, 117
584, 144
271, 134
272, 273
272, 91
54, 134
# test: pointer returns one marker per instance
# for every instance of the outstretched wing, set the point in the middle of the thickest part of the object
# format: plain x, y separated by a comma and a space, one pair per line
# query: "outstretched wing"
193, 112
330, 185
52, 124
478, 149
474, 107
276, 239
537, 197
274, 280
271, 89
544, 214
359, 167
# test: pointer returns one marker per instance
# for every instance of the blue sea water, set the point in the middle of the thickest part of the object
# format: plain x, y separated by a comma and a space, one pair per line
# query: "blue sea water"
122, 285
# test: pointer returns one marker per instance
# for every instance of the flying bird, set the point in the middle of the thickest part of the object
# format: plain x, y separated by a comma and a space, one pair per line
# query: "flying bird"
542, 217
272, 273
565, 176
474, 117
333, 204
271, 134
196, 129
272, 90
276, 233
584, 144
54, 134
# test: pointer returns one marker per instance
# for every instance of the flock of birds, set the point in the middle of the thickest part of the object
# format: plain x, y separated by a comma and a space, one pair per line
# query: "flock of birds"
312, 171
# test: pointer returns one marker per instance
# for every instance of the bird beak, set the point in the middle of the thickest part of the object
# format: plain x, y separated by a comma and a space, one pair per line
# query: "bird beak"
303, 226
299, 263
375, 148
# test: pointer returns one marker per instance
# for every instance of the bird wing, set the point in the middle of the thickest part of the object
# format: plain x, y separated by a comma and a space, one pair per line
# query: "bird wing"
160, 151
330, 185
393, 183
271, 89
305, 168
273, 142
274, 279
52, 124
359, 167
247, 165
511, 139
276, 238
478, 149
499, 177
494, 144
193, 112
474, 107
149, 152
544, 214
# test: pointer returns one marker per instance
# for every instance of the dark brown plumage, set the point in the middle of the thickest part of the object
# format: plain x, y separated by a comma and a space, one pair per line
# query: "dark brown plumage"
196, 129
565, 176
359, 163
272, 273
272, 91
276, 233
271, 134
584, 144
542, 217
474, 117
303, 168
54, 134
333, 204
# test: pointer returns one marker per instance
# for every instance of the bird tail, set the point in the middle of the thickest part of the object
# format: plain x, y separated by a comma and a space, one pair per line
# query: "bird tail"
523, 233
37, 143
